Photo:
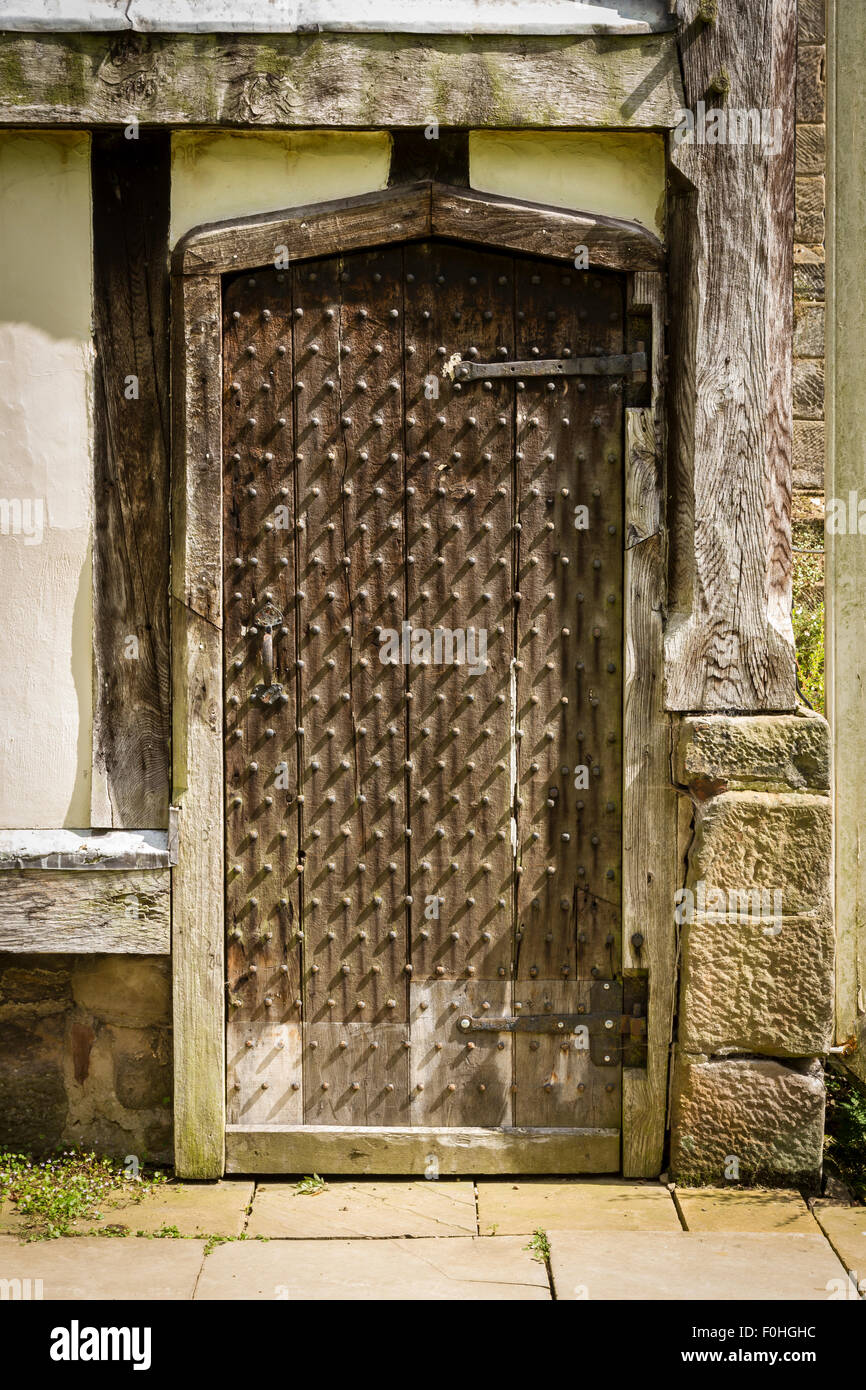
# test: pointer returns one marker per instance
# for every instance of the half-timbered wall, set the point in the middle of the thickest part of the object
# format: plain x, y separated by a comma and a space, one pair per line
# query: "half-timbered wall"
729, 647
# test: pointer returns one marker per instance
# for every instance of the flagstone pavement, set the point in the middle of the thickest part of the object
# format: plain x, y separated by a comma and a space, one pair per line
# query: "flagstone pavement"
415, 1240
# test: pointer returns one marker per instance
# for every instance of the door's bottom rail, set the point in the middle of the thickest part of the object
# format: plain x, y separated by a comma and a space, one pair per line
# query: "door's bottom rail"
425, 1150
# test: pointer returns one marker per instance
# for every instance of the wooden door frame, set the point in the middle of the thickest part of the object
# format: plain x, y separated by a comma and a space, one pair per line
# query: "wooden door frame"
400, 214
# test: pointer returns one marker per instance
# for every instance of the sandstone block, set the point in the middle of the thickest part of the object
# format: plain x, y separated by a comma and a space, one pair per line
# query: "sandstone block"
751, 987
766, 1116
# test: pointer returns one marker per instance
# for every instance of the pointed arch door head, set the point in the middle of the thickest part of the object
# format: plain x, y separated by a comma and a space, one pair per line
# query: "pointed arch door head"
409, 213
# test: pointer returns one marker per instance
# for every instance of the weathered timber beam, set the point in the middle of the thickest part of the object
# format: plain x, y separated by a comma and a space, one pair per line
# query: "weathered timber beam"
729, 641
357, 1149
416, 210
512, 224
365, 81
131, 192
78, 912
198, 949
649, 873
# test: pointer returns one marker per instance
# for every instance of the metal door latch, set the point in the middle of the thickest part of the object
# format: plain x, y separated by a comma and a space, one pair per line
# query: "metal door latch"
621, 364
267, 618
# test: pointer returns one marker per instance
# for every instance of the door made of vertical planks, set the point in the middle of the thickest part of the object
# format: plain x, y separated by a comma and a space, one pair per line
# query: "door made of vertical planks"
423, 715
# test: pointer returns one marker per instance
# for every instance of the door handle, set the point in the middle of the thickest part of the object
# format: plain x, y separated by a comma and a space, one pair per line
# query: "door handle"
266, 620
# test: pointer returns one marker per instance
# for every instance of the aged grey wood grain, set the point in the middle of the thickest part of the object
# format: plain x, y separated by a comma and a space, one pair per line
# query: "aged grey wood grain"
367, 81
130, 180
320, 229
611, 242
729, 640
649, 799
198, 964
75, 912
416, 210
197, 746
421, 1149
196, 531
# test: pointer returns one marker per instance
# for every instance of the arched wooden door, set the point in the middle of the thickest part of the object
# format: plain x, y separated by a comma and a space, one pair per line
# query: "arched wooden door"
423, 645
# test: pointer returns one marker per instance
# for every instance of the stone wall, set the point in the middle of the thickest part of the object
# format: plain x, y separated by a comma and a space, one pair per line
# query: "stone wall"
809, 250
756, 948
85, 1054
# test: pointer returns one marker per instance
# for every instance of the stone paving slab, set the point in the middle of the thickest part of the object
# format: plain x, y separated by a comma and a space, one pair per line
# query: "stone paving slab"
195, 1209
732, 1209
93, 1267
517, 1208
845, 1228
465, 1268
356, 1209
11, 1221
654, 1267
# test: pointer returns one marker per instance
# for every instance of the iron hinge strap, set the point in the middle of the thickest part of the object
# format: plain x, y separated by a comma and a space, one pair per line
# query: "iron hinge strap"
612, 1022
621, 364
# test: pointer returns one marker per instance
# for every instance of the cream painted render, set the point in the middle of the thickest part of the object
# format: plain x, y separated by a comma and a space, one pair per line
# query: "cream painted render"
622, 175
233, 174
215, 176
46, 362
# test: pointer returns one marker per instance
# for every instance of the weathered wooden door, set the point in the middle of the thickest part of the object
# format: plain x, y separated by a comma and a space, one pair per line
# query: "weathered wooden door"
423, 651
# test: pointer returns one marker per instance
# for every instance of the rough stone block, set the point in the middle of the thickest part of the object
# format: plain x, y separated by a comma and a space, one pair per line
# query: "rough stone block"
809, 206
34, 979
133, 991
811, 23
778, 841
33, 1103
808, 330
776, 752
811, 83
810, 276
809, 455
746, 989
808, 379
142, 1068
766, 1115
811, 149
